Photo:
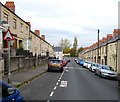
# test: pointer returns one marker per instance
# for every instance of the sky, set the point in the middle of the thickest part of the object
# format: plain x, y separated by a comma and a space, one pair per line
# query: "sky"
57, 19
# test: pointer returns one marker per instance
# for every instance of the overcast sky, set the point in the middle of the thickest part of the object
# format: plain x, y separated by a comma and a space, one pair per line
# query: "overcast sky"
70, 18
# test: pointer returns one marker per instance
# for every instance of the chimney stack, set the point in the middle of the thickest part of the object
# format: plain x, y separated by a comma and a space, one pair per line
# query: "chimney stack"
104, 39
43, 36
37, 32
109, 36
10, 5
28, 23
116, 32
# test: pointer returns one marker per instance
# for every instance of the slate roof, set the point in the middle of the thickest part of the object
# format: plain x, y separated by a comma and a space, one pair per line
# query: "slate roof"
103, 44
58, 49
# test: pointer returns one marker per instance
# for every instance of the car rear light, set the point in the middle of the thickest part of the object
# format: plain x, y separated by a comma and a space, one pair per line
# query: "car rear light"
61, 64
49, 64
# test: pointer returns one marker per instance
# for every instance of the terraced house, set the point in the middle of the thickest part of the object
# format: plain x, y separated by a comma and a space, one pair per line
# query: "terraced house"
26, 43
106, 52
24, 38
18, 27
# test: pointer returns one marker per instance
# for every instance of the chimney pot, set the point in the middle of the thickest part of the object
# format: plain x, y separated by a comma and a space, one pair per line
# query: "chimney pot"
43, 36
10, 5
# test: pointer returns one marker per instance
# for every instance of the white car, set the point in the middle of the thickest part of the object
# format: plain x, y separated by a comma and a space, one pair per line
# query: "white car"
85, 64
93, 67
89, 64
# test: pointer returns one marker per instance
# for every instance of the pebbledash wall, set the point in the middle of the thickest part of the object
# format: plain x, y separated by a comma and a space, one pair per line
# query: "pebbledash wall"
109, 51
118, 55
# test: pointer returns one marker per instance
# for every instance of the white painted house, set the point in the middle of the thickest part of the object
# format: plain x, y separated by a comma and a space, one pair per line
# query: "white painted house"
58, 52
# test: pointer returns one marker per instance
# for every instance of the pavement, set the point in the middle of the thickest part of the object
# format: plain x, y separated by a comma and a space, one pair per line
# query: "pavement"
23, 76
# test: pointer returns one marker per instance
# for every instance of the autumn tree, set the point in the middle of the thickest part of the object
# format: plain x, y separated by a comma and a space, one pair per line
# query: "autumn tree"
80, 49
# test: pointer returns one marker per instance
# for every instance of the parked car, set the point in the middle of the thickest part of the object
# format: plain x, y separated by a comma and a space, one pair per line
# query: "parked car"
64, 62
85, 64
55, 64
81, 62
89, 64
76, 60
93, 67
106, 71
67, 60
9, 94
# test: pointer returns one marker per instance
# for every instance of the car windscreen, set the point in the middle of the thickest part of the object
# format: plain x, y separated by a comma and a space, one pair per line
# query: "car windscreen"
107, 68
55, 61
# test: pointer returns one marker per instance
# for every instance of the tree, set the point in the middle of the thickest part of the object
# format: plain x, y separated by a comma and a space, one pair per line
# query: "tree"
75, 44
65, 43
66, 50
72, 52
80, 49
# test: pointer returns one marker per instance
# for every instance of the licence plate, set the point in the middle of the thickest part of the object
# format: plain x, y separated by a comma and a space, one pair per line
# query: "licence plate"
54, 64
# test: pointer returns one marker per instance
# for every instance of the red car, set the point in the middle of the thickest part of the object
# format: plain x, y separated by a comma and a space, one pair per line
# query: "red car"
64, 62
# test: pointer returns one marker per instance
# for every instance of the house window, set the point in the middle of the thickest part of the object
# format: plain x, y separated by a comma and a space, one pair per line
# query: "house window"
14, 23
21, 27
26, 30
5, 17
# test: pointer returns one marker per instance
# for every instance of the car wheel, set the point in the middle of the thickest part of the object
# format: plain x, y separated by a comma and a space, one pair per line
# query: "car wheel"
61, 70
95, 72
100, 75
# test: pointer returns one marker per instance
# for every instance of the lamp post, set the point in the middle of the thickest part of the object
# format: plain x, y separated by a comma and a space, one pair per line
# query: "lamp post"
98, 46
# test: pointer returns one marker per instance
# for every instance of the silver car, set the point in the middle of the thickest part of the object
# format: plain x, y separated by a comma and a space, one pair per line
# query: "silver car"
106, 71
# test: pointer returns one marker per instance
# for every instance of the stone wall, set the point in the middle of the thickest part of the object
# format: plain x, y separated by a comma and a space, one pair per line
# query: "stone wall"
20, 63
1, 65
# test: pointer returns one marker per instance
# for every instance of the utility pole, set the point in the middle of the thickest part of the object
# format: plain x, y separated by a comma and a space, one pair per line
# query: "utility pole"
98, 47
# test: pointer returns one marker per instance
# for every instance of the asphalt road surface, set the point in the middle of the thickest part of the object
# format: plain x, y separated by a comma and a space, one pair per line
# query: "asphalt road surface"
75, 83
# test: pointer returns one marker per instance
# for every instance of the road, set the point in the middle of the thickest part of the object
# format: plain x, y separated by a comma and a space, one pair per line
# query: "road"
75, 83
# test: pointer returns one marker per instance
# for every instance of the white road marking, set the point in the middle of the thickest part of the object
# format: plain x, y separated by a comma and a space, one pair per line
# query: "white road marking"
55, 87
63, 84
48, 100
52, 93
66, 70
76, 68
57, 83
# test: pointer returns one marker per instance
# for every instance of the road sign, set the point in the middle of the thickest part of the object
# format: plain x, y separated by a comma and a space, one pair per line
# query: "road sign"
8, 35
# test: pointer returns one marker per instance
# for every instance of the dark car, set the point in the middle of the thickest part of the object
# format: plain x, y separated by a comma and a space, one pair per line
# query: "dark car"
9, 94
55, 64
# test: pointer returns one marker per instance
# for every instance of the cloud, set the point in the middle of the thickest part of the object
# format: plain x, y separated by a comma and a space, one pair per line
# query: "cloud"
69, 18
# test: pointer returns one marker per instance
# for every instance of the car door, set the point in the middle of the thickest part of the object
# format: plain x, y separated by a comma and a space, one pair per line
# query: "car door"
97, 69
